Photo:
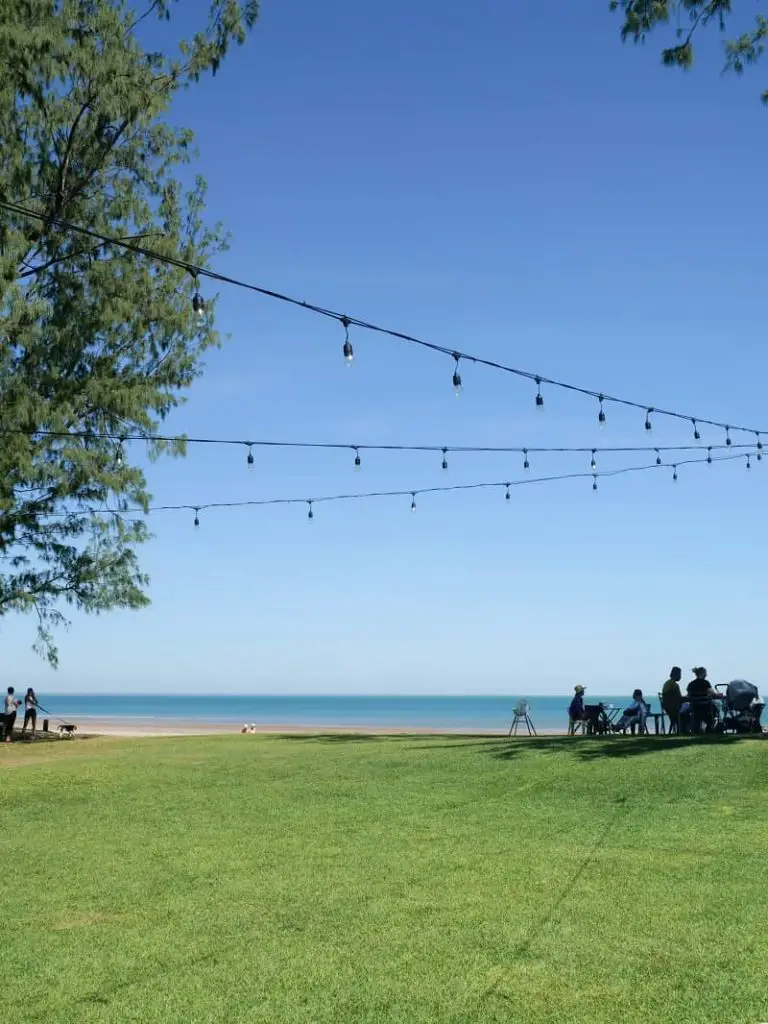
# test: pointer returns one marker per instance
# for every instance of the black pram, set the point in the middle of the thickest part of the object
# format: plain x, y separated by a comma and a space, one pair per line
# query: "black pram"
741, 709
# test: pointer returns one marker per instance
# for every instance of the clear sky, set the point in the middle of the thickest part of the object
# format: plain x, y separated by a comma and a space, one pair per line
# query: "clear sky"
500, 178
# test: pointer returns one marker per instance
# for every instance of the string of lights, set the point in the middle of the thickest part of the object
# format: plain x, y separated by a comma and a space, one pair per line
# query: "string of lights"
198, 303
120, 440
506, 486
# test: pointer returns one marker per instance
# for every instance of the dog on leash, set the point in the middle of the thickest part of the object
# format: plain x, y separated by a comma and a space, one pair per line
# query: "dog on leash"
67, 730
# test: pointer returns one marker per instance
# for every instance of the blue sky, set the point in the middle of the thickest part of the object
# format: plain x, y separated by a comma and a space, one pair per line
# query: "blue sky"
506, 179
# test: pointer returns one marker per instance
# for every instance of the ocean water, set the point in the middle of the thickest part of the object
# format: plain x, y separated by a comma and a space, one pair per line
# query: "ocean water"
448, 712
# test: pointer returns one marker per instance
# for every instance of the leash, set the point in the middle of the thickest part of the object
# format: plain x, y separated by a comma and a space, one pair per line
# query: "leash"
51, 714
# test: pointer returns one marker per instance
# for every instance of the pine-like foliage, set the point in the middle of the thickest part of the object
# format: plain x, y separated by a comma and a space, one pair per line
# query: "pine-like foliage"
687, 17
93, 339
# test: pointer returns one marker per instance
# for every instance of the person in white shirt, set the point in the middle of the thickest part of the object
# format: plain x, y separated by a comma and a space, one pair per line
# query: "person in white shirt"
634, 714
9, 718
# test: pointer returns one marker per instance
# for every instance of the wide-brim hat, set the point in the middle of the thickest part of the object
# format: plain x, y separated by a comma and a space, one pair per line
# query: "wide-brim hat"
579, 689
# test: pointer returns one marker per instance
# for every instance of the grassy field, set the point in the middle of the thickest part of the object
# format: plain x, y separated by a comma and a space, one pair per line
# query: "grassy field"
361, 879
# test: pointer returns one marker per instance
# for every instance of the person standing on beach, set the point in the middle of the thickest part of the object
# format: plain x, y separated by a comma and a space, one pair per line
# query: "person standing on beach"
30, 711
9, 720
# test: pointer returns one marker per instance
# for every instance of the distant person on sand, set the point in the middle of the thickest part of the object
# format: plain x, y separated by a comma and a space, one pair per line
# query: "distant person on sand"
576, 711
9, 719
30, 711
672, 699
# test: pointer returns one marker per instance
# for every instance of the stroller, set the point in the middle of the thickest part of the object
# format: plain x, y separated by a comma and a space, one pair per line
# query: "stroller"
741, 709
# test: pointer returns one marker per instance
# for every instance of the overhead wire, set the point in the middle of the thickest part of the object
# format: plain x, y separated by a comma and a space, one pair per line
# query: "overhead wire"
410, 492
125, 438
346, 321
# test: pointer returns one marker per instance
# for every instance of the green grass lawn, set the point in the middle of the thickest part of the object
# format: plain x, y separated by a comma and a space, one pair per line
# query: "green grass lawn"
407, 879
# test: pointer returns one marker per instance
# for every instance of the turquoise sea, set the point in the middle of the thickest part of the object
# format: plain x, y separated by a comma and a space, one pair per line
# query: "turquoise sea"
459, 712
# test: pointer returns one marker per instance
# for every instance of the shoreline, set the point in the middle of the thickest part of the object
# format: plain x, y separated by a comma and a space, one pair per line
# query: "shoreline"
135, 727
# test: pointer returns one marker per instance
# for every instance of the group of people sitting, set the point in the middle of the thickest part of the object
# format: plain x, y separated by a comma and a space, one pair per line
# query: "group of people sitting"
692, 713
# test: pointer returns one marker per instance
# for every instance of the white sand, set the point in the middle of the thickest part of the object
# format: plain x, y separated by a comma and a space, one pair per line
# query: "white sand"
167, 727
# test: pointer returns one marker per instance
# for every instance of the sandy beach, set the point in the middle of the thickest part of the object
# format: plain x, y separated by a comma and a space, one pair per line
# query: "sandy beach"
156, 727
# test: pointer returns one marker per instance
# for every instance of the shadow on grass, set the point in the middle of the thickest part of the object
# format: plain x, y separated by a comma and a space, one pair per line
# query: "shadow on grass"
50, 737
333, 737
529, 939
585, 748
390, 737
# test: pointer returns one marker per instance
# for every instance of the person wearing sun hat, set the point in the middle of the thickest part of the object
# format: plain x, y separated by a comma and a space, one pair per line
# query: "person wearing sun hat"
576, 711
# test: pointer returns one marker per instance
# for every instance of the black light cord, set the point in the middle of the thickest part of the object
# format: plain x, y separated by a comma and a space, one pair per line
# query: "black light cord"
410, 492
346, 322
347, 446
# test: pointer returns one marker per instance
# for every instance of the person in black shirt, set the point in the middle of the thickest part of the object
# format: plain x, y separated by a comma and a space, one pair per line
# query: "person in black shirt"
701, 694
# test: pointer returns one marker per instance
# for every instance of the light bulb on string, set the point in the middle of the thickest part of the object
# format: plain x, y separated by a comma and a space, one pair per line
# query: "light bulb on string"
759, 442
728, 441
358, 462
674, 473
594, 481
526, 463
456, 375
648, 424
749, 462
507, 496
709, 456
658, 456
311, 513
696, 434
197, 519
601, 414
249, 461
413, 501
198, 302
445, 458
539, 396
348, 351
593, 463
120, 454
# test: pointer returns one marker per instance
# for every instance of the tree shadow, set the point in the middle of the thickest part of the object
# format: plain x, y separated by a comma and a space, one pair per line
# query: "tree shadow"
353, 736
586, 748
334, 737
596, 748
50, 737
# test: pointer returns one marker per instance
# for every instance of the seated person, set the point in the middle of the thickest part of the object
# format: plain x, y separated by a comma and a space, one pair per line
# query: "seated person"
576, 711
634, 715
672, 699
701, 693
